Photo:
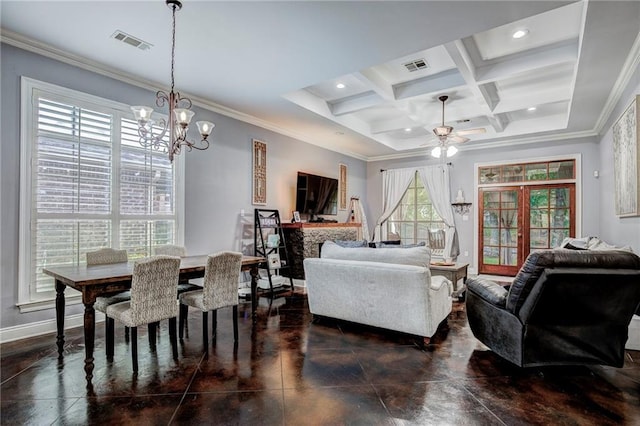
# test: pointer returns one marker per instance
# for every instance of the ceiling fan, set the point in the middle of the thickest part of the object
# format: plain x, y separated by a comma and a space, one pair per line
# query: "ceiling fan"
446, 136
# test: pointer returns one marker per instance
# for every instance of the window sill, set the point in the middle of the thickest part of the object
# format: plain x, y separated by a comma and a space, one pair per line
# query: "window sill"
41, 305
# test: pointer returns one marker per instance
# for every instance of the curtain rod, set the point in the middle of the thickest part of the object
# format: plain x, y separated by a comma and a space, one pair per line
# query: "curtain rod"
384, 170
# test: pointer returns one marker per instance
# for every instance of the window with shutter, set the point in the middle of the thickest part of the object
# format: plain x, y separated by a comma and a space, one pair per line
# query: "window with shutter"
88, 184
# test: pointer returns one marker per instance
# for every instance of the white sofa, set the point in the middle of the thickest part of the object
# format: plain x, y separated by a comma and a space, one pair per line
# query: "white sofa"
389, 288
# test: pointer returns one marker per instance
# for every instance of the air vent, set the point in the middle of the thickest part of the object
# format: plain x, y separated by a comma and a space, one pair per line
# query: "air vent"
466, 120
417, 65
131, 40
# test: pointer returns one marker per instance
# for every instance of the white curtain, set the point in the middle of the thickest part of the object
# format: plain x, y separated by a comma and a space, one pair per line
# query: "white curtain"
355, 208
394, 184
436, 180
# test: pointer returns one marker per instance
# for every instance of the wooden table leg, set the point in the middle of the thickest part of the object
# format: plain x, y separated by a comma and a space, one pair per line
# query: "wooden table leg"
254, 292
89, 334
60, 304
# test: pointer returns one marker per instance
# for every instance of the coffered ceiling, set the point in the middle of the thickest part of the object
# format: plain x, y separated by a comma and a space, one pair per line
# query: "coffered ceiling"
279, 64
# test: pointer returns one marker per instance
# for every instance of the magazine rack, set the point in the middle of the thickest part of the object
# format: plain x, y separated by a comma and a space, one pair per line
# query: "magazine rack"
269, 243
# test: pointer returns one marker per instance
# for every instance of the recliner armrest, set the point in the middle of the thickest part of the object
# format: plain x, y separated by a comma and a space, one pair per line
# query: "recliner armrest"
489, 291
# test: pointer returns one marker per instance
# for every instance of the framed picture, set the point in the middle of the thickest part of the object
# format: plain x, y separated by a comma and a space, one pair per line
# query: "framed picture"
273, 240
296, 216
626, 157
342, 184
259, 178
274, 261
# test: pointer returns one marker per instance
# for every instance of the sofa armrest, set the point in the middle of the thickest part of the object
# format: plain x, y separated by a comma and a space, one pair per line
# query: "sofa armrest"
489, 291
438, 281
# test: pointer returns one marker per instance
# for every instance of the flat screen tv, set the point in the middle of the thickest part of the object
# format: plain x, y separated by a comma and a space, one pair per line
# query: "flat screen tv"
316, 195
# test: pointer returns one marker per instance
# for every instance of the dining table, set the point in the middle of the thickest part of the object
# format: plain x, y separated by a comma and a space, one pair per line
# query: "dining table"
103, 280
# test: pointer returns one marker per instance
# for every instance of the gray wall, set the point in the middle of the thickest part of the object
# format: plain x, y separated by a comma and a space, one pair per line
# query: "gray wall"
218, 181
623, 231
462, 176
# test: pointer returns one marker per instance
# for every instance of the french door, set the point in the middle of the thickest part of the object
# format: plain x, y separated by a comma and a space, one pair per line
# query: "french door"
516, 220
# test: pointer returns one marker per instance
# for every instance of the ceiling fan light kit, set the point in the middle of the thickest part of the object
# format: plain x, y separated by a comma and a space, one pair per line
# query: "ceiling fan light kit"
446, 136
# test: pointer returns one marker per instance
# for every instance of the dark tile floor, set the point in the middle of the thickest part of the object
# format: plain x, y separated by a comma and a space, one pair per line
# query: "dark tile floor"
292, 371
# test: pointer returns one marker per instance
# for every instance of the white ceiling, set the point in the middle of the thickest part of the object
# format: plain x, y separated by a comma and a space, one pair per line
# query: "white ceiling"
276, 64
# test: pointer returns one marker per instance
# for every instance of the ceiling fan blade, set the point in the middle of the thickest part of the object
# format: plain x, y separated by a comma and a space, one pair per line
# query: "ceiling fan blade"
471, 131
458, 139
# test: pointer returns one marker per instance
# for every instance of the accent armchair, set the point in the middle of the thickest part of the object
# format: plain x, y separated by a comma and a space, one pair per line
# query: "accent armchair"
563, 307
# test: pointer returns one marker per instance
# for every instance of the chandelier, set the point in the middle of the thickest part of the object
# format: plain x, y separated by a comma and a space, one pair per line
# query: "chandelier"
152, 133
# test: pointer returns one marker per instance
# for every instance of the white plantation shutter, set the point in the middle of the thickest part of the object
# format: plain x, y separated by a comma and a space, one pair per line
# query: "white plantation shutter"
90, 185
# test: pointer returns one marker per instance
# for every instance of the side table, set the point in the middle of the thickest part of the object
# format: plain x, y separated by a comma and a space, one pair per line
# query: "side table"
453, 272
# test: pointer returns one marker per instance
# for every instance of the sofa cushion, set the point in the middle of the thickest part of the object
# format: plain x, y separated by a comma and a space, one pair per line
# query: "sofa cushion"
416, 256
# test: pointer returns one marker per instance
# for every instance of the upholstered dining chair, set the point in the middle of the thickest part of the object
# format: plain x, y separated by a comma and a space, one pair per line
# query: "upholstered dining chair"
220, 290
153, 298
108, 256
183, 285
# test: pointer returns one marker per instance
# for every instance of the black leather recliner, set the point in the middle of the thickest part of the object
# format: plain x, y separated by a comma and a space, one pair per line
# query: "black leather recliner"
563, 307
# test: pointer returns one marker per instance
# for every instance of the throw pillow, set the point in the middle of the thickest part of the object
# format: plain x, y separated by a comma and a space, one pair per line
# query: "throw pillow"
351, 244
394, 245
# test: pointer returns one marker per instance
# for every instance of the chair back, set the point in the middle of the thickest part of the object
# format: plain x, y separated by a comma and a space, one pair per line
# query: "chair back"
106, 256
608, 270
154, 286
171, 250
437, 241
220, 286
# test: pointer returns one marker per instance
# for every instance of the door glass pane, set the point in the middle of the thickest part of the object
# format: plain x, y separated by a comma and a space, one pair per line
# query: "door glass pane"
559, 218
491, 200
490, 255
561, 170
490, 237
508, 237
490, 218
539, 198
557, 235
539, 218
509, 256
512, 173
559, 197
508, 218
490, 175
536, 171
539, 238
509, 199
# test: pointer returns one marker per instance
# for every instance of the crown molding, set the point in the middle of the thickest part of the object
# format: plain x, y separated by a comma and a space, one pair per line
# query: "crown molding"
43, 49
495, 144
621, 83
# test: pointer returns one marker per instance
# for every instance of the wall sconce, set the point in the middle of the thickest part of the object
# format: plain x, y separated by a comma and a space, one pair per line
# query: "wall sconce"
460, 206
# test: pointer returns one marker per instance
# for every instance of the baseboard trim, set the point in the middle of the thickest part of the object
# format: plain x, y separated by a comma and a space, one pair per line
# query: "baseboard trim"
38, 328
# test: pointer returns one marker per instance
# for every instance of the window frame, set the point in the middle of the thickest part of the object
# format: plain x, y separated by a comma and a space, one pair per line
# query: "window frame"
413, 186
31, 89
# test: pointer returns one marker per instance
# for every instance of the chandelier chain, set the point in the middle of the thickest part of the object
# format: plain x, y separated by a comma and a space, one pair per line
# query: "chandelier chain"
173, 46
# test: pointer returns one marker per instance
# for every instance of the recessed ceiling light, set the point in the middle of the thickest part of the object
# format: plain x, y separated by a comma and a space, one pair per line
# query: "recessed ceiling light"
531, 109
340, 86
520, 33
408, 129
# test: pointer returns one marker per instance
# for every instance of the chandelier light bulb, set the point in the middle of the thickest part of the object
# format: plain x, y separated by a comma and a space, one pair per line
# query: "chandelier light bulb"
451, 151
436, 152
205, 128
